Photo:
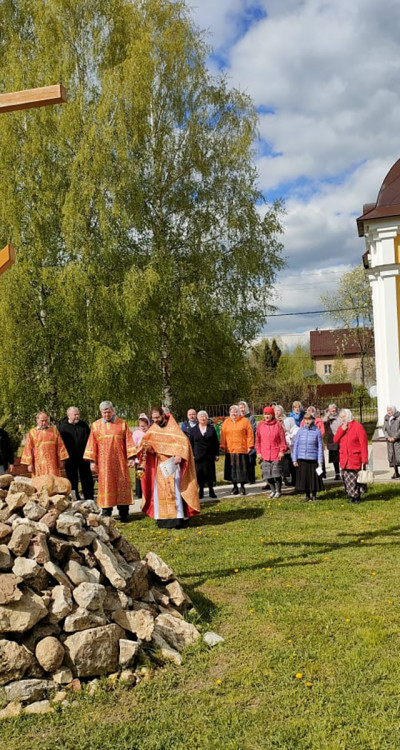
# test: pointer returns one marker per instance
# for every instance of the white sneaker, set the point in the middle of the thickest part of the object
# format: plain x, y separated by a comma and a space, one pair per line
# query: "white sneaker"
277, 494
272, 494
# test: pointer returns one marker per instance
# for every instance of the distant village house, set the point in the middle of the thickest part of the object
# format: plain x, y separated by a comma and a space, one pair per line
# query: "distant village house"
353, 347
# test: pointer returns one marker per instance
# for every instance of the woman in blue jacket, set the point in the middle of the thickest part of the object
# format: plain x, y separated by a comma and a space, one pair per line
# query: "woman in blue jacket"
308, 455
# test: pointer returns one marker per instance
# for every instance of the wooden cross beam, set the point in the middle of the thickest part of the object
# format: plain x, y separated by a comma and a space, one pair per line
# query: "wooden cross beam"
28, 99
32, 98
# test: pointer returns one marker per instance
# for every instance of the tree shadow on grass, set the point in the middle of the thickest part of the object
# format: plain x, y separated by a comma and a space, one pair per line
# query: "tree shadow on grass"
249, 513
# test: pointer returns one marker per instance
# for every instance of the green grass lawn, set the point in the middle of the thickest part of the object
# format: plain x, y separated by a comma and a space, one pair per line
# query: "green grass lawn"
307, 599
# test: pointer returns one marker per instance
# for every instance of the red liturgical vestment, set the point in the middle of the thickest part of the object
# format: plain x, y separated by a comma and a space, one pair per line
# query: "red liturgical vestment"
44, 449
110, 445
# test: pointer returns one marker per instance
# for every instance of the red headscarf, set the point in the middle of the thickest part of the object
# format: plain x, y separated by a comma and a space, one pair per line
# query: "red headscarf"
269, 410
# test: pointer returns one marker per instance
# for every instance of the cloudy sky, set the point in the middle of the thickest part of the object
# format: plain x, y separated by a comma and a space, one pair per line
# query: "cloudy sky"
325, 78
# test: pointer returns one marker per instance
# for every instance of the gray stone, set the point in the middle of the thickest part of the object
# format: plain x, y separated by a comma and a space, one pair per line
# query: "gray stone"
62, 603
38, 549
111, 526
160, 595
88, 558
50, 518
12, 710
39, 707
127, 550
58, 574
59, 548
69, 525
115, 600
84, 539
36, 527
5, 531
16, 500
22, 484
5, 480
128, 677
90, 595
25, 568
80, 573
110, 566
20, 539
178, 633
178, 596
94, 652
158, 567
83, 619
101, 533
91, 506
28, 691
33, 511
212, 639
15, 661
17, 617
62, 676
139, 580
167, 652
9, 591
60, 502
6, 561
50, 653
128, 653
140, 623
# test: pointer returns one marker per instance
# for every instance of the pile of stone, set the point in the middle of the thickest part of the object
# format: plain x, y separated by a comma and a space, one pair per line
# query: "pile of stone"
76, 599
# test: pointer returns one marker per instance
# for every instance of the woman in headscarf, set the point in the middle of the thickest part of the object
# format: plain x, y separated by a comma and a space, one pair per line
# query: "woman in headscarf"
308, 456
290, 429
237, 440
391, 431
245, 412
204, 440
353, 454
137, 435
270, 448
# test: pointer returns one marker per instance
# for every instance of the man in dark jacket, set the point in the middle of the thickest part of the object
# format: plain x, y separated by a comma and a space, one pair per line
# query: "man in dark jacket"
75, 434
190, 422
6, 453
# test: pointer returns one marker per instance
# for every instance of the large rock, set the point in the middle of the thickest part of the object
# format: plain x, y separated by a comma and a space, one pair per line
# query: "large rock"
16, 500
17, 617
20, 484
39, 707
90, 595
94, 652
32, 573
15, 661
84, 539
115, 600
5, 480
9, 591
6, 561
109, 565
178, 595
50, 653
50, 518
59, 549
128, 653
62, 676
28, 691
83, 619
80, 573
12, 710
38, 549
158, 567
33, 511
62, 604
127, 550
140, 623
52, 484
58, 574
5, 532
60, 502
138, 584
20, 539
69, 525
167, 652
42, 630
178, 633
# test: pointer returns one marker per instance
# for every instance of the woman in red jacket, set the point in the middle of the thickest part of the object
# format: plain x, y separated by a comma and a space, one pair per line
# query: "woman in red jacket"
271, 447
353, 454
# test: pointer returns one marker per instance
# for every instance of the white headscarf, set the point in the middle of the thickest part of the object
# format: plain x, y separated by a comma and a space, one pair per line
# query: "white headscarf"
347, 412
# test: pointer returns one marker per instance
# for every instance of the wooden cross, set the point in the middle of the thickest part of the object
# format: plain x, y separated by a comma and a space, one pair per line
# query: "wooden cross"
27, 99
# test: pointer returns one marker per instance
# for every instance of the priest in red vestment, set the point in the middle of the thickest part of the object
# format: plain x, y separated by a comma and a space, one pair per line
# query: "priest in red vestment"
169, 483
110, 449
44, 451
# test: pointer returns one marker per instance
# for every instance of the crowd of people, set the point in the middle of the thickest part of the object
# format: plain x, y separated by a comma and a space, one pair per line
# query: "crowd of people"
175, 463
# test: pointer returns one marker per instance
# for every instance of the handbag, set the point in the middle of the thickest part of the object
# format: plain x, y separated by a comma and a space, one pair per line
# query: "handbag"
365, 476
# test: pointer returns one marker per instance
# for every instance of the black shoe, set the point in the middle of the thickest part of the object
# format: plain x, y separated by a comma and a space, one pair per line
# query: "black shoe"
337, 477
395, 476
212, 494
242, 490
201, 492
124, 519
305, 499
235, 491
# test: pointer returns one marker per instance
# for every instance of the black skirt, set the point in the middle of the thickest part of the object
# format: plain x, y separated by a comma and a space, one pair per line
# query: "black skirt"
236, 468
307, 479
205, 471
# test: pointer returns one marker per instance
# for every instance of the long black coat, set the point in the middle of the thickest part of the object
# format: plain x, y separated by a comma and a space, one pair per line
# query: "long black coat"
205, 449
75, 437
6, 451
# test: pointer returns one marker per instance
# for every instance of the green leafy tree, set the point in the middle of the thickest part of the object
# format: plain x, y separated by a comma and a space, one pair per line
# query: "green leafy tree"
350, 306
144, 263
276, 352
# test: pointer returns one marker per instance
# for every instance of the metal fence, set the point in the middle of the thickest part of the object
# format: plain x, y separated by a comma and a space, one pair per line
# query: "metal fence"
364, 409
